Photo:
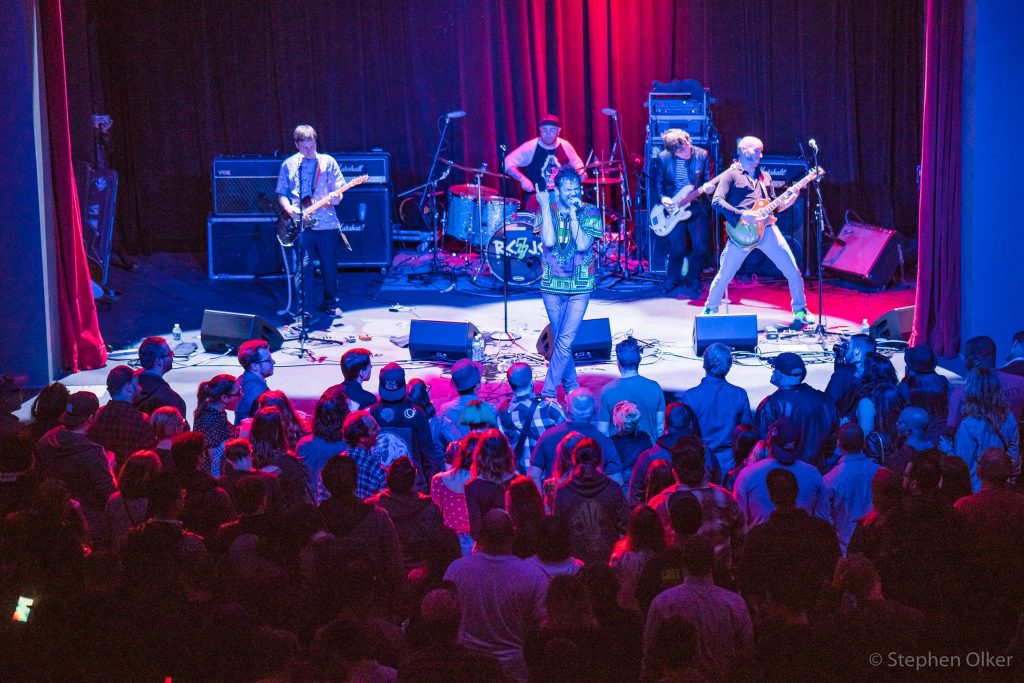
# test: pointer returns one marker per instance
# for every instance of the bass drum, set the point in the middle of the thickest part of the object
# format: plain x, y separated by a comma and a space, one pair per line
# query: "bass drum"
519, 241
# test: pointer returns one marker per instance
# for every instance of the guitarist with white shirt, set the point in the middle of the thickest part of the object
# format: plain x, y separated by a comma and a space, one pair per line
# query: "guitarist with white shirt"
739, 190
682, 165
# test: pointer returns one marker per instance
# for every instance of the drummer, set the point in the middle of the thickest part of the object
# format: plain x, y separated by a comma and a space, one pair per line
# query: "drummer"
535, 161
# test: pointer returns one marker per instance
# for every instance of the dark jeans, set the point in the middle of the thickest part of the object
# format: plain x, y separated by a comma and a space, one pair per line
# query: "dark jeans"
696, 228
323, 245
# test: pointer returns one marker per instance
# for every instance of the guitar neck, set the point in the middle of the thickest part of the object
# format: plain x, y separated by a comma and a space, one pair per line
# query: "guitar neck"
696, 192
796, 187
313, 208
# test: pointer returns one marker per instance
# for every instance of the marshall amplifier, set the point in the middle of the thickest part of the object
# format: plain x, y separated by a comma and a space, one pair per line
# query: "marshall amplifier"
784, 170
365, 217
245, 185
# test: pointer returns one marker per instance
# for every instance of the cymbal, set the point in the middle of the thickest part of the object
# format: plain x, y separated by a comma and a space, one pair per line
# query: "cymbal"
602, 164
469, 169
602, 181
471, 191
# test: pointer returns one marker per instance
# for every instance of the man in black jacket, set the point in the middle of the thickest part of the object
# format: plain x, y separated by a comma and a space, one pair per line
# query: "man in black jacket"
813, 410
681, 165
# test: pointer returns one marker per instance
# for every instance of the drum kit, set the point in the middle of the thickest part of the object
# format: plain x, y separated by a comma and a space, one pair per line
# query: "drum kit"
497, 229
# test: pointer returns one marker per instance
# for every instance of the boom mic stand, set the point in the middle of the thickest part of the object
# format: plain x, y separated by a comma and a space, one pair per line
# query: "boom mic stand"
819, 232
505, 266
622, 249
430, 187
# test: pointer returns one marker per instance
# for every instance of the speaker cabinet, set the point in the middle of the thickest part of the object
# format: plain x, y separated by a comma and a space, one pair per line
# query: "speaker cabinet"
242, 247
365, 216
868, 256
222, 331
593, 342
896, 324
735, 331
440, 340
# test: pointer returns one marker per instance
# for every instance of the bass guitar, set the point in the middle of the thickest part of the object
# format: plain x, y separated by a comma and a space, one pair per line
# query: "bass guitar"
288, 228
664, 219
746, 233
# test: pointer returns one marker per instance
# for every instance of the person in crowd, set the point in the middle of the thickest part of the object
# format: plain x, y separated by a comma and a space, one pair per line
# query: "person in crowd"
361, 436
790, 556
165, 523
994, 527
723, 523
466, 382
243, 536
593, 504
1015, 358
296, 422
68, 454
871, 536
922, 387
207, 505
725, 630
956, 478
680, 421
751, 490
659, 477
213, 399
981, 352
405, 429
501, 597
126, 508
581, 414
644, 539
878, 407
719, 406
912, 435
157, 359
238, 464
845, 381
562, 469
986, 421
362, 525
448, 491
627, 436
120, 427
327, 439
631, 386
626, 647
525, 506
672, 652
493, 469
478, 416
443, 431
441, 548
414, 514
167, 423
813, 410
554, 548
570, 621
356, 368
849, 483
257, 365
19, 475
270, 454
525, 415
744, 438
47, 409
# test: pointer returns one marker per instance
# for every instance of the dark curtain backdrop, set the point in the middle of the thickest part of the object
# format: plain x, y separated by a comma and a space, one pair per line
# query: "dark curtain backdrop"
188, 81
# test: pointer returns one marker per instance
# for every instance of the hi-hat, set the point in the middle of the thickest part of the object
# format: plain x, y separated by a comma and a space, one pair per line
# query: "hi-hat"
469, 169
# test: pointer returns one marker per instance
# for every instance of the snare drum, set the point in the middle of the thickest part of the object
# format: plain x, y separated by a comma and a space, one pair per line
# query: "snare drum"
523, 247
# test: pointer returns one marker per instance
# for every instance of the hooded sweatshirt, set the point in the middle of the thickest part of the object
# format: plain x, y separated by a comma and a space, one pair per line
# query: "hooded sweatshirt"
595, 508
415, 516
82, 465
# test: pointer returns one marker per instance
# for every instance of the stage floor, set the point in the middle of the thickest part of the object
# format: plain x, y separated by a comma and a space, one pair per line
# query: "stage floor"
169, 288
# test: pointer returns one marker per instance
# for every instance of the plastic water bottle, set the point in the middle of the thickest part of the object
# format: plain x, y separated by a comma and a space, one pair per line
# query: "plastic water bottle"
864, 327
478, 349
176, 333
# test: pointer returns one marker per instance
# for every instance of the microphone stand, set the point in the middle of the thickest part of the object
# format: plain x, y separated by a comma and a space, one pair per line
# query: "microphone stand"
506, 335
430, 193
819, 220
622, 249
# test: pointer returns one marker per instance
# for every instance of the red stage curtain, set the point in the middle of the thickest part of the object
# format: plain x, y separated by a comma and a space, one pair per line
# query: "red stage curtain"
82, 347
937, 316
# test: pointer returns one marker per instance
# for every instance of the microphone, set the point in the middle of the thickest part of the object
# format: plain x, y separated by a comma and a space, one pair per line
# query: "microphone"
457, 114
608, 111
813, 145
576, 203
503, 148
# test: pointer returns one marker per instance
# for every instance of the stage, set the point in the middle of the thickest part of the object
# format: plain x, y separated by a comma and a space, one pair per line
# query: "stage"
165, 289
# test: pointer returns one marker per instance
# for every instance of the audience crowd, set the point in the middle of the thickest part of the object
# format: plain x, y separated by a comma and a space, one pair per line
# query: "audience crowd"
619, 538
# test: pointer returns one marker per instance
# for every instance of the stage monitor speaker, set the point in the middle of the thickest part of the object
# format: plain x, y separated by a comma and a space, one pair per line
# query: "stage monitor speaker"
242, 247
896, 324
869, 255
735, 331
593, 342
365, 216
223, 331
440, 340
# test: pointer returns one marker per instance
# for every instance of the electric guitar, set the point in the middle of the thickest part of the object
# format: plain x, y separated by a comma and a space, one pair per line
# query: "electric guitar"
748, 233
288, 228
664, 220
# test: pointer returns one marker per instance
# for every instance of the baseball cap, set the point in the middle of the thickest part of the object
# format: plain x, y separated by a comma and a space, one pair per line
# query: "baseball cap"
785, 439
921, 359
465, 374
549, 120
118, 377
392, 382
790, 364
81, 406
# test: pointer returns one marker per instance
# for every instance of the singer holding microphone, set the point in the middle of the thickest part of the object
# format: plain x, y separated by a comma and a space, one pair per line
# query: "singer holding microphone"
532, 162
568, 229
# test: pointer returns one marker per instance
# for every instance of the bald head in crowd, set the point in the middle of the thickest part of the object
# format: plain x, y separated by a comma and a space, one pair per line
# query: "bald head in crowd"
581, 405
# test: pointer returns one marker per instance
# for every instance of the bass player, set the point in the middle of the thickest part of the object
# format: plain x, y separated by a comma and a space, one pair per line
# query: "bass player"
737, 193
679, 165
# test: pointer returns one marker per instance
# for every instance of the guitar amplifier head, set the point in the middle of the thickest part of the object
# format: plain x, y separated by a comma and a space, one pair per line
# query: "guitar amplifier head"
784, 170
